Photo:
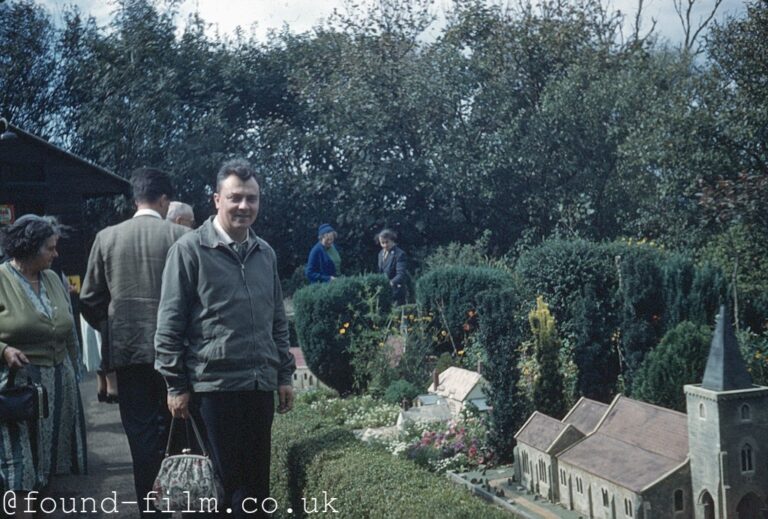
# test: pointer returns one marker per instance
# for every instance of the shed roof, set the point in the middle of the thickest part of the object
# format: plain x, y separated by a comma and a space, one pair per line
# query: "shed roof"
457, 383
634, 445
586, 414
540, 431
28, 148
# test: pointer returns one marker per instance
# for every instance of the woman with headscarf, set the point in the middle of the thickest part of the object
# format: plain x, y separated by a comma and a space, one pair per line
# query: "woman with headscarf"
38, 341
324, 262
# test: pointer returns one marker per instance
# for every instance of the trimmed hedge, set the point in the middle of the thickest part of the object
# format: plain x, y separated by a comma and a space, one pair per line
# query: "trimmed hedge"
451, 292
616, 298
311, 456
321, 311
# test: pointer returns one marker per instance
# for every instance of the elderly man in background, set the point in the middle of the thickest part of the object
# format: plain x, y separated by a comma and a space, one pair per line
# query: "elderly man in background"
182, 214
120, 295
222, 337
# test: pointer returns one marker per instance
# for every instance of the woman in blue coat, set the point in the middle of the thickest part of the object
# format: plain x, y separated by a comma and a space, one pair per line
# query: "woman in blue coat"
324, 262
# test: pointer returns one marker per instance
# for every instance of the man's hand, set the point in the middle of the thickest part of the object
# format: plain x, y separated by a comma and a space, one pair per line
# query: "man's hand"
14, 358
285, 395
178, 405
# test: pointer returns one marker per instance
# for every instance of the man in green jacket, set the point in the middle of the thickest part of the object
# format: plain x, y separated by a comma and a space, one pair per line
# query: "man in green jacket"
222, 338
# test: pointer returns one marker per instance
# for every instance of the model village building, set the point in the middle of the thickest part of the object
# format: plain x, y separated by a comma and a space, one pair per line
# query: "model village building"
635, 460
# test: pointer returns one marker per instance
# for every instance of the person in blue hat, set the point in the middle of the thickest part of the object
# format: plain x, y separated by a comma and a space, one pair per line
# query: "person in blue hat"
324, 262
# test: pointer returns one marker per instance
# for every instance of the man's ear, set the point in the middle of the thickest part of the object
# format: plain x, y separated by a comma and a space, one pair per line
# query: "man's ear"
216, 200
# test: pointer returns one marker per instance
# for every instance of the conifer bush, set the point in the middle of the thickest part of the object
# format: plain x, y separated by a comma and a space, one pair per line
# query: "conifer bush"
679, 359
450, 296
329, 315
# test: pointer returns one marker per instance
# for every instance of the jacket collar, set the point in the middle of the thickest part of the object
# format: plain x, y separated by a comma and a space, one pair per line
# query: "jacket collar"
210, 237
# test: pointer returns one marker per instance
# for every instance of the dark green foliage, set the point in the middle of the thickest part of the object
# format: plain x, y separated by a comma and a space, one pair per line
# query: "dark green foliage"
614, 302
321, 311
502, 325
444, 361
449, 294
400, 390
371, 483
754, 349
679, 359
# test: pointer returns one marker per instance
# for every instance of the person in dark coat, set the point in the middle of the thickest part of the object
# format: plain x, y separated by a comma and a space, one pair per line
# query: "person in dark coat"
324, 261
392, 263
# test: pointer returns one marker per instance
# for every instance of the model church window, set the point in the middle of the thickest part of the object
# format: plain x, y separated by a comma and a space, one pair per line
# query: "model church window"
679, 505
627, 507
702, 411
605, 497
746, 413
747, 462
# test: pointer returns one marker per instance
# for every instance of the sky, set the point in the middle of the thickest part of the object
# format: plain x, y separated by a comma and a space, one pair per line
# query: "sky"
302, 15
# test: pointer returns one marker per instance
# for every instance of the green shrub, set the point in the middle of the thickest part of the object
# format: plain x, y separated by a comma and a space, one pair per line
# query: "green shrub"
449, 295
327, 316
311, 454
477, 254
502, 324
399, 390
740, 249
754, 349
372, 483
614, 301
679, 359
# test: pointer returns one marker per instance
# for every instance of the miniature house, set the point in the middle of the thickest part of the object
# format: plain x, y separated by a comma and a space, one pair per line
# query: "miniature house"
459, 388
303, 378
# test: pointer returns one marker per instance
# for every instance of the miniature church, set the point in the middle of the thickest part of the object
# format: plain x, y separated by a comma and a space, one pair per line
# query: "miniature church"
631, 459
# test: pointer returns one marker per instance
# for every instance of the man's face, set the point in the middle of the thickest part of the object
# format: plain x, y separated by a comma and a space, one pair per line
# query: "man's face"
187, 220
237, 204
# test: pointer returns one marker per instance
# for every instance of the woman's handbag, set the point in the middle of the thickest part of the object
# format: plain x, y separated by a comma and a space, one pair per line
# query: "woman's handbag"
22, 403
186, 481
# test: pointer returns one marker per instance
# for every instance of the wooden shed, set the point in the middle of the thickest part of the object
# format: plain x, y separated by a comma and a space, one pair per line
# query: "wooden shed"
38, 177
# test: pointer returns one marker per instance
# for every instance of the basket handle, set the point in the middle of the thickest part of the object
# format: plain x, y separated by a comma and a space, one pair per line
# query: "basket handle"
199, 438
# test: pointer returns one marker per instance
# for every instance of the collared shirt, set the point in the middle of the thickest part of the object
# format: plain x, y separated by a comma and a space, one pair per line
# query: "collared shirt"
147, 212
226, 238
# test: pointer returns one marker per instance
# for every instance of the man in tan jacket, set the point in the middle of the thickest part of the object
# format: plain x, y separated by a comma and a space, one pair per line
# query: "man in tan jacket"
120, 295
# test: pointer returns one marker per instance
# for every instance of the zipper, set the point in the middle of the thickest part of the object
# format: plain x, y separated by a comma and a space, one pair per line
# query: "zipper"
250, 305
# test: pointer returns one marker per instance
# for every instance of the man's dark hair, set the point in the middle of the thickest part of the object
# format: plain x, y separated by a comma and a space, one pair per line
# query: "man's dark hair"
149, 184
387, 234
22, 239
239, 167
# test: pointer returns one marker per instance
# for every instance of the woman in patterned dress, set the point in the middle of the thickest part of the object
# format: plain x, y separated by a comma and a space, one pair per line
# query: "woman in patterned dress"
38, 341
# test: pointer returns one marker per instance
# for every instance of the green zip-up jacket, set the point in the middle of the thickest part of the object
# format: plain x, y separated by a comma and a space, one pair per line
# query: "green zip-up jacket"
221, 324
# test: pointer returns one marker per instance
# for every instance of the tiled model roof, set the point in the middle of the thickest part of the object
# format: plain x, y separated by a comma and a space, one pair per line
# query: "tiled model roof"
634, 446
725, 369
299, 356
540, 431
456, 383
586, 414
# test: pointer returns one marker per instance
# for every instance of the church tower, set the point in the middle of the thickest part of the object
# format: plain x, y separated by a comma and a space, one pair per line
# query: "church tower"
728, 434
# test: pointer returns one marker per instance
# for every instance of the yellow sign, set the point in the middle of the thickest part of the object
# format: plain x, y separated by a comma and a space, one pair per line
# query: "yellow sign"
74, 281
